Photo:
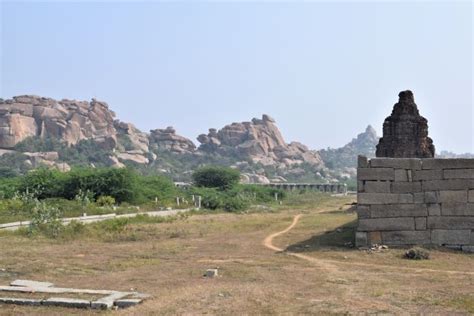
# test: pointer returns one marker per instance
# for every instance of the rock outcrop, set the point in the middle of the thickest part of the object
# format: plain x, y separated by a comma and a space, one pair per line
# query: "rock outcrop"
259, 141
405, 132
68, 120
167, 139
346, 156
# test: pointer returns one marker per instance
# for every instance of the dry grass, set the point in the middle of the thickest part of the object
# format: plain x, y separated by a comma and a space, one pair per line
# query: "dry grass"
168, 259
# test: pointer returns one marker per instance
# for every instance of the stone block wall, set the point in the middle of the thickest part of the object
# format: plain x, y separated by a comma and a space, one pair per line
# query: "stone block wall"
411, 201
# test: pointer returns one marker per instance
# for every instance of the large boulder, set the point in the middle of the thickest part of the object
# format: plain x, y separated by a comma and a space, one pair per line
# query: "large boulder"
259, 141
167, 139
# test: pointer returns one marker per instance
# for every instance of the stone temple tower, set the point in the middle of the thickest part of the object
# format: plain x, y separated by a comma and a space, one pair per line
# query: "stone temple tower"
405, 132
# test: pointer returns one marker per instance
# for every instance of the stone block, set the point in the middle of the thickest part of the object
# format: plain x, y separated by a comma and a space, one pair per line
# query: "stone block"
435, 174
377, 186
398, 210
450, 237
384, 224
127, 302
457, 209
211, 273
67, 302
399, 163
362, 162
406, 187
437, 163
360, 186
419, 237
384, 198
419, 198
420, 223
471, 196
20, 301
363, 211
459, 174
453, 196
376, 174
375, 238
434, 210
450, 184
451, 222
431, 197
361, 239
32, 284
401, 175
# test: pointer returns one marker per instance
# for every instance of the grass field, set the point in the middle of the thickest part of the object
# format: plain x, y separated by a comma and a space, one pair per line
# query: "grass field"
167, 260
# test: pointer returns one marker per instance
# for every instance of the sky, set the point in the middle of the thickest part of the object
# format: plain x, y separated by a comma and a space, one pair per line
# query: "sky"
322, 70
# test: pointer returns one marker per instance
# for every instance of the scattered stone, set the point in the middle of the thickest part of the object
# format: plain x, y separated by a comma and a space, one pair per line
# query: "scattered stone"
405, 132
417, 253
211, 273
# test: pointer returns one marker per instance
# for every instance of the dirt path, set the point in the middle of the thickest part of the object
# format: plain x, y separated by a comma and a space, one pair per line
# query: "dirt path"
330, 265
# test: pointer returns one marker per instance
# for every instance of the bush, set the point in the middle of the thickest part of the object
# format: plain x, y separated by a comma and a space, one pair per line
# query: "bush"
216, 177
105, 200
45, 219
417, 253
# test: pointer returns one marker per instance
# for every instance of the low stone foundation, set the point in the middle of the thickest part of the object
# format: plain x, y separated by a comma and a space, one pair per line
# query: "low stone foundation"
410, 201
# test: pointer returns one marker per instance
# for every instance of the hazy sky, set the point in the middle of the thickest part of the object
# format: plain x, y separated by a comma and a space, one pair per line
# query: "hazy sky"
323, 70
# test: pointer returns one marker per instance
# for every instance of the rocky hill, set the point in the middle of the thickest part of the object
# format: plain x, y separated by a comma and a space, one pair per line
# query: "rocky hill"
37, 131
344, 159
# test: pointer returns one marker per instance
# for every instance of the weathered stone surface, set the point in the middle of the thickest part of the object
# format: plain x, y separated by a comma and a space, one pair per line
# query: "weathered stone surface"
434, 210
420, 223
410, 237
419, 198
405, 132
20, 301
361, 239
29, 283
471, 196
453, 196
451, 222
398, 210
450, 237
363, 211
384, 224
435, 174
398, 163
375, 238
362, 162
446, 185
401, 175
127, 302
67, 302
376, 174
459, 174
377, 187
457, 209
452, 163
406, 187
432, 197
384, 198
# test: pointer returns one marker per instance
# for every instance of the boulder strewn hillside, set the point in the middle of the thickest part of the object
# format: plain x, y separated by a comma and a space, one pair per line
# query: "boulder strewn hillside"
346, 156
259, 141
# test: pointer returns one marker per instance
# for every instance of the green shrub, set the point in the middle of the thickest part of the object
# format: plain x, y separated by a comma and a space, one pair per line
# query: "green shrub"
216, 177
45, 219
105, 200
417, 253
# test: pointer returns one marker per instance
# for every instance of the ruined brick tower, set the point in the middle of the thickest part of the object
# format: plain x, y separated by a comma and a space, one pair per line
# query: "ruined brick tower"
405, 132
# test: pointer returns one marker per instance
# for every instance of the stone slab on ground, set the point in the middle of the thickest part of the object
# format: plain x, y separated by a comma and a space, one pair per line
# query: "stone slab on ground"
33, 284
20, 301
127, 302
67, 302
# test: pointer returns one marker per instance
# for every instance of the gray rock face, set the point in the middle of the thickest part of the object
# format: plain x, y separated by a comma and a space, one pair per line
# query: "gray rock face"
260, 141
405, 132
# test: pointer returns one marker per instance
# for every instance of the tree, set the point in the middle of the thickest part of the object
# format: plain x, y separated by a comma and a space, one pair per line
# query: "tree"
216, 177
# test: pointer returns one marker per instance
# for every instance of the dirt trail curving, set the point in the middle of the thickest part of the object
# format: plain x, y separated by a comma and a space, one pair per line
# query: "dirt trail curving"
330, 265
